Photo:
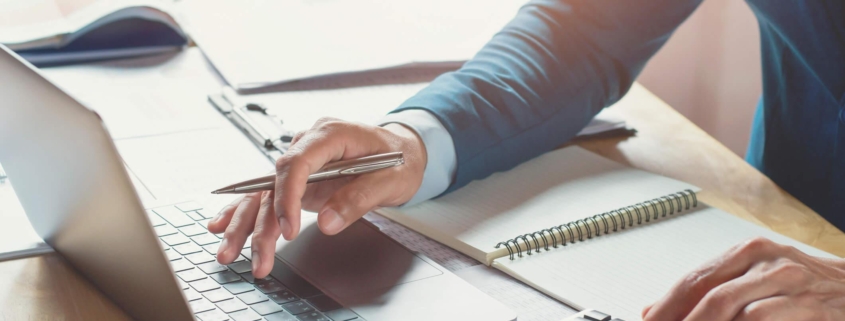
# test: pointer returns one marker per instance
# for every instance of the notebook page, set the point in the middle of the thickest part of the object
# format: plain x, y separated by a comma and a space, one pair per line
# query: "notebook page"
622, 273
552, 189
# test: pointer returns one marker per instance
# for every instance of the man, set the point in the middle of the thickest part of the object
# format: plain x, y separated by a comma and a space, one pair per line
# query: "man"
535, 85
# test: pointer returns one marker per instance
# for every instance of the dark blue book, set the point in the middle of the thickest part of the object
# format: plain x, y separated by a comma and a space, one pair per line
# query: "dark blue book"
101, 31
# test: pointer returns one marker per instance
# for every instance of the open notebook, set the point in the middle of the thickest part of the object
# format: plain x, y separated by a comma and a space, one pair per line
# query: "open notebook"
584, 230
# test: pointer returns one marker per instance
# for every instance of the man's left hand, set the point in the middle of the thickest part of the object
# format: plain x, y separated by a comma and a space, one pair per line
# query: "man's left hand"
757, 280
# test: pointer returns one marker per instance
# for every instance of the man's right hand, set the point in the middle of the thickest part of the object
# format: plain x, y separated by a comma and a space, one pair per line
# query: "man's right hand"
268, 215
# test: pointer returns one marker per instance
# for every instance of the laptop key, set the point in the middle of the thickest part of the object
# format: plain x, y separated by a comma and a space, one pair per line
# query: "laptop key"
191, 275
191, 295
281, 316
213, 315
163, 245
252, 297
241, 267
212, 267
231, 305
238, 287
172, 255
217, 295
155, 220
312, 316
189, 206
323, 303
251, 278
165, 230
183, 285
199, 258
192, 230
205, 239
240, 258
225, 277
180, 265
266, 307
282, 297
175, 239
204, 285
245, 315
206, 213
269, 286
342, 315
292, 281
297, 307
173, 216
187, 248
200, 305
212, 248
246, 253
195, 216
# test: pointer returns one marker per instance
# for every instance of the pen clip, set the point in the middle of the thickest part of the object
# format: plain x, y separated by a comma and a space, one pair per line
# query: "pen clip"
361, 169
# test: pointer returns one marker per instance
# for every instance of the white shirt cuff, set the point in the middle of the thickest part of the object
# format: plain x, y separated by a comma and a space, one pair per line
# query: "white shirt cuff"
442, 160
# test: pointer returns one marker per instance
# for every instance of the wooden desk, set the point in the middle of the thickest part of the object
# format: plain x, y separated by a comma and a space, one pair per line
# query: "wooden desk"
45, 288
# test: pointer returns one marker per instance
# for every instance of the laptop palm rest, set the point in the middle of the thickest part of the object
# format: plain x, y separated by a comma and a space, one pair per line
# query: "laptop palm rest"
356, 266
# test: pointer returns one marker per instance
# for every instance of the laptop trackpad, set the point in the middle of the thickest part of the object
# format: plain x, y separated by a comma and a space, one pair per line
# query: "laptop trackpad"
360, 260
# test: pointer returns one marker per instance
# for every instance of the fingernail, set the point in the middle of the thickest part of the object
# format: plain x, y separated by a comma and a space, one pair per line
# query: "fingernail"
224, 246
285, 226
333, 221
256, 260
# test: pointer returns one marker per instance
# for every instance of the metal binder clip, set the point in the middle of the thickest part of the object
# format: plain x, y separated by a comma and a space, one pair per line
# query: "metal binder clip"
272, 138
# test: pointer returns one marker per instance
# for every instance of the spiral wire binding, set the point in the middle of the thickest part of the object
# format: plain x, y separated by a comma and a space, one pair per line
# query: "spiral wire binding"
653, 209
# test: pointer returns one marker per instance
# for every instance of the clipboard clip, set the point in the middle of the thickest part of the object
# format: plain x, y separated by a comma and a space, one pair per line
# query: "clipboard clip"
264, 129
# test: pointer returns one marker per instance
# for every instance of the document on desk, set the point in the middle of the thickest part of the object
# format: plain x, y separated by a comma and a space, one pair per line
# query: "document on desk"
175, 146
146, 96
584, 230
256, 43
299, 110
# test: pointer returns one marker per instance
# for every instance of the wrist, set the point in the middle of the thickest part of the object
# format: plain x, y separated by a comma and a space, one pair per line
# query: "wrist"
415, 154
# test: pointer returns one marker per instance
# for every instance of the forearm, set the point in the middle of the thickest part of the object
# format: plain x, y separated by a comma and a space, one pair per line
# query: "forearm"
543, 77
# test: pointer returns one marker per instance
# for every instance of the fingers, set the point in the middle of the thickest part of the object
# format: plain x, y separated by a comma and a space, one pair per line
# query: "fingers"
219, 223
765, 280
780, 308
240, 227
327, 142
688, 292
352, 201
264, 238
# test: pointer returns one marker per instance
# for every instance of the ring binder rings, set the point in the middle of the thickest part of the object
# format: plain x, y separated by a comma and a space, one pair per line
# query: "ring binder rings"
620, 218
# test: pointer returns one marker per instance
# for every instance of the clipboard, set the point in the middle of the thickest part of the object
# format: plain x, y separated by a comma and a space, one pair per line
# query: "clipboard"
264, 129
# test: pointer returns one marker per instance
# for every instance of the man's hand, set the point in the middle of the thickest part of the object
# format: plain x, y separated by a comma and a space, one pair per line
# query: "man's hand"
757, 280
339, 202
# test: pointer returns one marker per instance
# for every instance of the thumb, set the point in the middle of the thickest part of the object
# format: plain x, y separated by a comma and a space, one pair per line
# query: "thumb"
352, 201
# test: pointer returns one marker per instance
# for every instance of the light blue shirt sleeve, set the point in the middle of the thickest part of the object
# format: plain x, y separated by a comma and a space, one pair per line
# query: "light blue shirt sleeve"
442, 160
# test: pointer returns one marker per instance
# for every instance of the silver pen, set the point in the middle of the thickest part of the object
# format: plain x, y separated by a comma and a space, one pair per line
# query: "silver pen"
344, 168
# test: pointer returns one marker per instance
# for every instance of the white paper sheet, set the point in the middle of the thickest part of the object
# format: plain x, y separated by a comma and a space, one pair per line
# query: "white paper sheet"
258, 42
147, 96
530, 197
623, 272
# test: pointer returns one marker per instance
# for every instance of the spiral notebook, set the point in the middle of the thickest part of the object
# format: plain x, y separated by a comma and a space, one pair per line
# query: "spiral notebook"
584, 230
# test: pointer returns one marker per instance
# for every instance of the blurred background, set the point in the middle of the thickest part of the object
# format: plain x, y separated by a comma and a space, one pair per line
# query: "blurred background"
710, 71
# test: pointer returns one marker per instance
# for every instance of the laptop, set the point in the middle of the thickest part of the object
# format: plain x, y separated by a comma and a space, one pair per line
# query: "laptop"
158, 263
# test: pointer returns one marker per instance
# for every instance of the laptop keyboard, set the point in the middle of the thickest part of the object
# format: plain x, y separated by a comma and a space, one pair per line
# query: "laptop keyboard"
218, 292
